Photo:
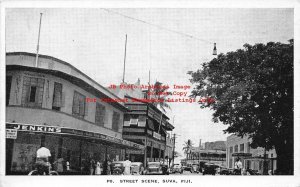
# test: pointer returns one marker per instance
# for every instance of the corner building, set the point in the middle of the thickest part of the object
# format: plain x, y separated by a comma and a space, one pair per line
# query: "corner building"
47, 103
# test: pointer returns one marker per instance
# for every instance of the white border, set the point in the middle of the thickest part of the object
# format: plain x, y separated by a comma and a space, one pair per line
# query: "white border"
197, 180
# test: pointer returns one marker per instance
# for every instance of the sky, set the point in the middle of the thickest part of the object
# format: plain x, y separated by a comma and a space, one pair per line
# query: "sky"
168, 42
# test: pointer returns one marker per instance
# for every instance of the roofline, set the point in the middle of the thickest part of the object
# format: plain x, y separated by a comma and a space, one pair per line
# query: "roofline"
63, 62
71, 66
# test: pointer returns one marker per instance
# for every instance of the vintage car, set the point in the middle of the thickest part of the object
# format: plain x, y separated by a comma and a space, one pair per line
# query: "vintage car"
188, 168
117, 167
224, 171
210, 169
195, 168
177, 169
137, 168
156, 168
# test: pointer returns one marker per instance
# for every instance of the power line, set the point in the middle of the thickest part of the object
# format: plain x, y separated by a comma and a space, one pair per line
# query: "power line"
158, 26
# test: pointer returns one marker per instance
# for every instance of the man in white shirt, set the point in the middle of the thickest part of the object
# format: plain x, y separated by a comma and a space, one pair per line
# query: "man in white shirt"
238, 166
42, 157
127, 166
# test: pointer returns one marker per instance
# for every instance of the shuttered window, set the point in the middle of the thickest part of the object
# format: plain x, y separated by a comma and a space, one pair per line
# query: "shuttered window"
57, 96
79, 106
236, 148
32, 92
241, 148
115, 121
100, 114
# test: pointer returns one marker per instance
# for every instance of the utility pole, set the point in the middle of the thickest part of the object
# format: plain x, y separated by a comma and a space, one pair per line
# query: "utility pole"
38, 42
124, 59
174, 139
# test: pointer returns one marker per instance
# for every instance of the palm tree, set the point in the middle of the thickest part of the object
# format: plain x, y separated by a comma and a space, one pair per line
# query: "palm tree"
158, 90
187, 147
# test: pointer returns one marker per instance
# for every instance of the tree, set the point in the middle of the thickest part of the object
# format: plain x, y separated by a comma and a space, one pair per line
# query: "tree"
161, 93
187, 147
253, 93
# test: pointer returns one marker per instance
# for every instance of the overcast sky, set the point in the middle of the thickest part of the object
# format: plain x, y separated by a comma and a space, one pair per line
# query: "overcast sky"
159, 40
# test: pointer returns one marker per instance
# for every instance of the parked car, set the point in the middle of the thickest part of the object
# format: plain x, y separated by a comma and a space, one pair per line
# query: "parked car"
137, 168
252, 172
117, 167
210, 169
188, 168
224, 171
201, 166
177, 169
156, 168
195, 168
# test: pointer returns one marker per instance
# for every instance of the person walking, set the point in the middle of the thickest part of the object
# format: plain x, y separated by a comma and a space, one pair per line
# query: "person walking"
127, 165
98, 169
92, 167
238, 166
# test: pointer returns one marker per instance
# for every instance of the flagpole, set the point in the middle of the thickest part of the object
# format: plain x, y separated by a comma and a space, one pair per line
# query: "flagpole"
124, 59
38, 43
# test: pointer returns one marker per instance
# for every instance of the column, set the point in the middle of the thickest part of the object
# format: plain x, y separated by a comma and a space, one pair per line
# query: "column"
151, 153
145, 153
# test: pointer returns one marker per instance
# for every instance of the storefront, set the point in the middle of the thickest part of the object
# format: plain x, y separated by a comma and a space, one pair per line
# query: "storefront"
77, 147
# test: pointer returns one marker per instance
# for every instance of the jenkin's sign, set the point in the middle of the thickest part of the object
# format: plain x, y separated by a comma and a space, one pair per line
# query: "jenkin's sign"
35, 128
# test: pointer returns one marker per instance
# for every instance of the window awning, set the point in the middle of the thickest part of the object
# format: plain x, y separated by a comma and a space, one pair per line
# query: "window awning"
73, 132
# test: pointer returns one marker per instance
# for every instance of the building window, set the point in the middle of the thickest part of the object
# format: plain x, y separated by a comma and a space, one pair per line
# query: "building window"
78, 108
100, 114
231, 149
236, 148
33, 90
115, 121
241, 148
230, 162
8, 87
248, 147
57, 96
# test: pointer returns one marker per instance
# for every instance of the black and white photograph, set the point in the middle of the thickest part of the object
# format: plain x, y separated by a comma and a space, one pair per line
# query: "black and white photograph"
148, 95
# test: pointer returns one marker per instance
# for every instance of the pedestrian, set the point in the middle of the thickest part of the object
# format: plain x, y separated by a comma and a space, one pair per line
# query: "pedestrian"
92, 167
238, 166
127, 166
59, 165
98, 169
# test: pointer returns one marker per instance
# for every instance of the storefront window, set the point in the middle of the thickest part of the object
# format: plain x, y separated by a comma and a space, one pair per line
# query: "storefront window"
24, 152
71, 153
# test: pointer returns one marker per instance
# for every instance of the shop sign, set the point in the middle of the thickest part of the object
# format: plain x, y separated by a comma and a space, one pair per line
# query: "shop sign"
11, 133
35, 128
241, 154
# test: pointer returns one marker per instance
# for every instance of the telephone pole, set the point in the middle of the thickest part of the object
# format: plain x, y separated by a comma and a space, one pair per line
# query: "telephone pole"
174, 139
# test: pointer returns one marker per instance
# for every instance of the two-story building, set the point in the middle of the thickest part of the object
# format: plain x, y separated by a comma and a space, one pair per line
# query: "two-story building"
237, 147
46, 103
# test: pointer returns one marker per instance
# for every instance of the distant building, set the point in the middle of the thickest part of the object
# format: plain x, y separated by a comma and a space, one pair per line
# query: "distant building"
217, 145
214, 152
251, 158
